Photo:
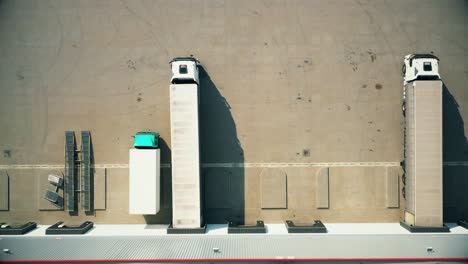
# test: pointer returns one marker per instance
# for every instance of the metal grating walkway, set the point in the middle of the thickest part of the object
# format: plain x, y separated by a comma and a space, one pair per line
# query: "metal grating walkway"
70, 146
86, 170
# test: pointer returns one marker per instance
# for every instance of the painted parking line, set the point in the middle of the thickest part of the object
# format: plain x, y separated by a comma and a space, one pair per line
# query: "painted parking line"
231, 165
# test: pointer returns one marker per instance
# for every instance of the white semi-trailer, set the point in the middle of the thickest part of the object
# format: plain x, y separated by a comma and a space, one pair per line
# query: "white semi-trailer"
186, 185
422, 106
144, 175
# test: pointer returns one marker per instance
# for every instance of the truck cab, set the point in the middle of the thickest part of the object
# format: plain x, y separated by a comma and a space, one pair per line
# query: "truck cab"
185, 70
420, 67
146, 140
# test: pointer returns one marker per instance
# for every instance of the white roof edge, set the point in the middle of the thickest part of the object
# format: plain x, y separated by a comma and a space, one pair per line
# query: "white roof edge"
348, 229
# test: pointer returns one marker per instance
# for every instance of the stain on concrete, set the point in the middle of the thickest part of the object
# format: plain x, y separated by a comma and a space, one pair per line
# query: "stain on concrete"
306, 152
352, 60
19, 75
378, 130
364, 86
372, 55
7, 153
139, 99
378, 86
131, 65
348, 107
358, 56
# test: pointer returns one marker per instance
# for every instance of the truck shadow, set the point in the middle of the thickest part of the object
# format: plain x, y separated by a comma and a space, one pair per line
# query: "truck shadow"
164, 216
455, 149
223, 180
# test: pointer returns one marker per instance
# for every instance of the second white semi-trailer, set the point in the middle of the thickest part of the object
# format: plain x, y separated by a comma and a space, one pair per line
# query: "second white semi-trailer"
186, 185
422, 98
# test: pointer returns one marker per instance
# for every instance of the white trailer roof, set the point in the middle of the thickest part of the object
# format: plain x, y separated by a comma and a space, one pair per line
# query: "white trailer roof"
423, 147
144, 181
186, 202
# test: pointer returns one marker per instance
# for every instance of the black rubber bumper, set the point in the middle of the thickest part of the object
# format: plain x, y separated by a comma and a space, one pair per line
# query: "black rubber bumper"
18, 229
463, 223
425, 229
174, 231
234, 228
69, 230
316, 227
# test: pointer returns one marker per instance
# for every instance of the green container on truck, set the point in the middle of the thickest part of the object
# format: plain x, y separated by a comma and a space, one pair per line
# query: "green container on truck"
146, 140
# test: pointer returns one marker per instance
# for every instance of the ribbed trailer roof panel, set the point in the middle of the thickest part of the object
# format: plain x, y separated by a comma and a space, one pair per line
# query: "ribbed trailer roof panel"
423, 147
186, 203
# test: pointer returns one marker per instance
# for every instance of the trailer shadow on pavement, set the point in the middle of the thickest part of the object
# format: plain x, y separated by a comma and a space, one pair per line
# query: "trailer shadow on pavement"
455, 148
223, 187
164, 216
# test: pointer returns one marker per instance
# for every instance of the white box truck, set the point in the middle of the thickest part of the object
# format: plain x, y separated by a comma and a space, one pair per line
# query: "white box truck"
422, 108
184, 102
144, 175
